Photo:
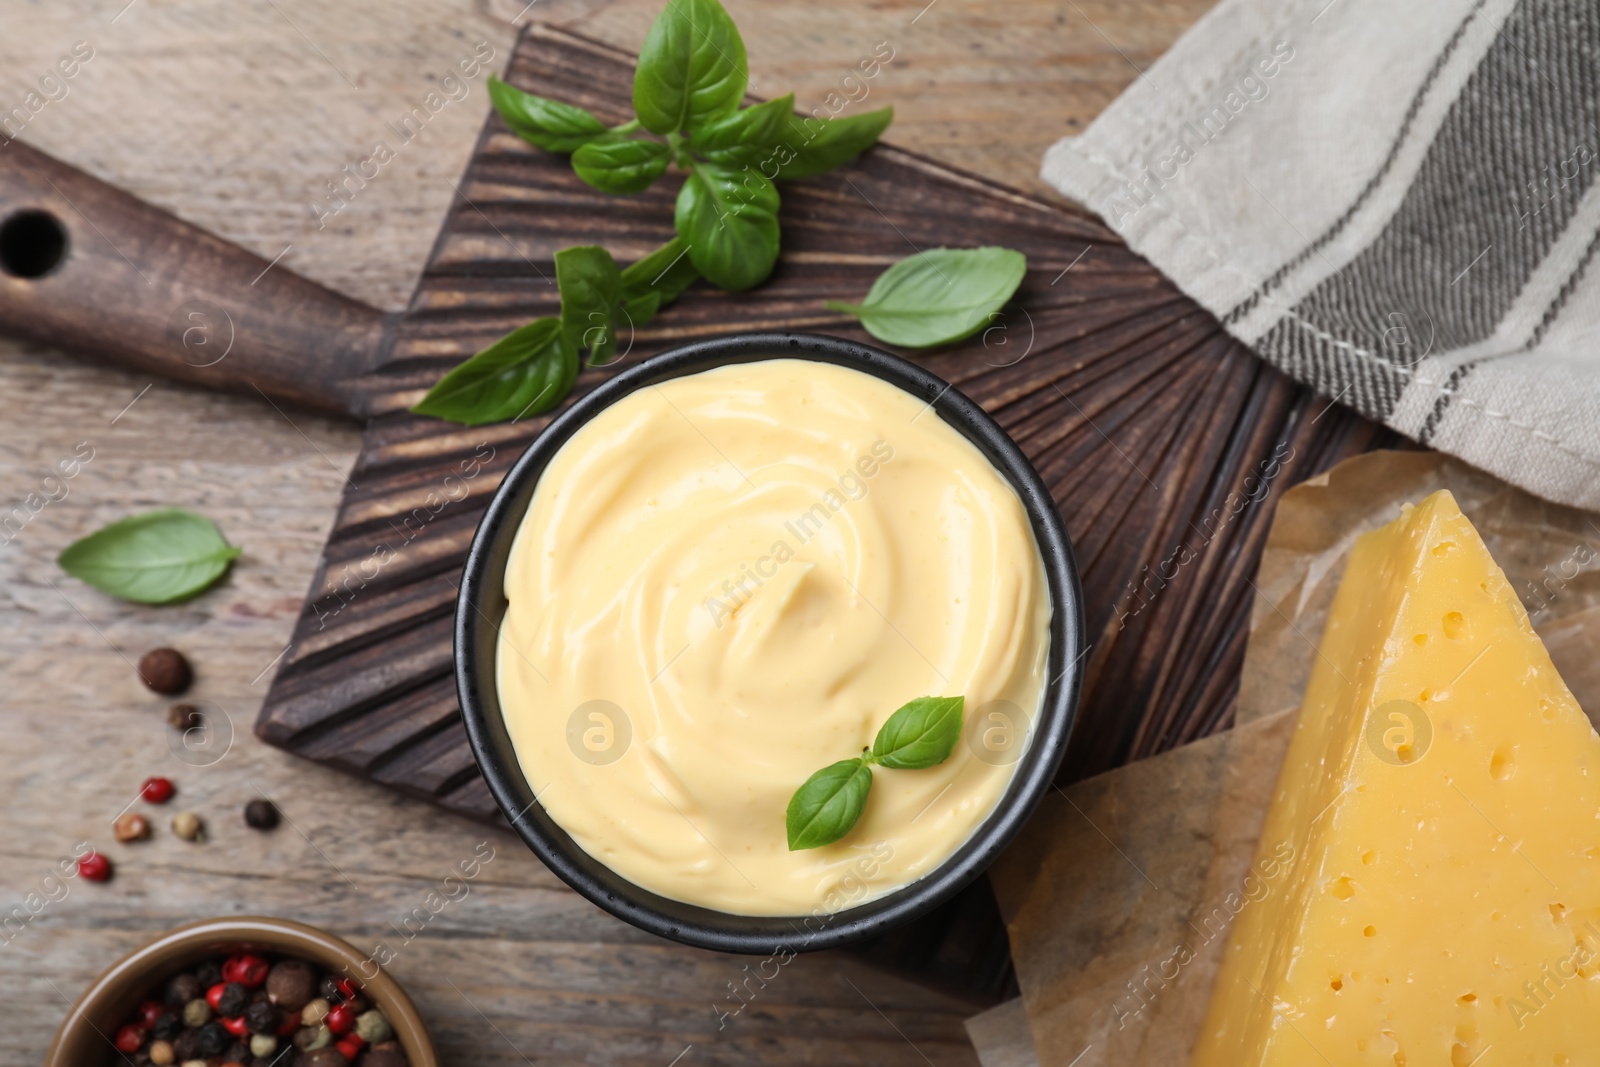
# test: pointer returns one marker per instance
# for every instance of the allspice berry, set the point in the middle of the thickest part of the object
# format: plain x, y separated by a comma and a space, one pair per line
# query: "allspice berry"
184, 717
387, 1054
165, 671
188, 825
291, 984
131, 826
261, 815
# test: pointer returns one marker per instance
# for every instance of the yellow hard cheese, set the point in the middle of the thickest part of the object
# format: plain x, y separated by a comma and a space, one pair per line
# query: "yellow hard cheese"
1442, 799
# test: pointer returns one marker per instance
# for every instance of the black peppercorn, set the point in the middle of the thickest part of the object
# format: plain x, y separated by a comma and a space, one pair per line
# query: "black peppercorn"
233, 1000
165, 671
182, 989
208, 974
329, 988
261, 1018
213, 1038
237, 1052
261, 815
186, 1046
184, 717
166, 1028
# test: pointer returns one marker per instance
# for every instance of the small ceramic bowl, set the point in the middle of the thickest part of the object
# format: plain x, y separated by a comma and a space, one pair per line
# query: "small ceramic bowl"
85, 1038
482, 604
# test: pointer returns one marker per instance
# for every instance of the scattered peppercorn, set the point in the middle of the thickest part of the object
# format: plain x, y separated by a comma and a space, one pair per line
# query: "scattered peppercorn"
263, 1045
209, 973
188, 825
184, 717
131, 826
165, 671
95, 867
261, 815
157, 790
160, 1053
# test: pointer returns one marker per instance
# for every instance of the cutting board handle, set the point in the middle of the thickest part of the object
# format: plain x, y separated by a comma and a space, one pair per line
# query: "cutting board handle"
88, 267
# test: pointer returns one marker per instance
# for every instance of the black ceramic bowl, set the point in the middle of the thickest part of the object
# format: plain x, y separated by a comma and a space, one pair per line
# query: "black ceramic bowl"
483, 604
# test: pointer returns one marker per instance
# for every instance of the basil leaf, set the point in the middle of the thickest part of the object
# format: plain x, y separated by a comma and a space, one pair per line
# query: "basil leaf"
550, 124
692, 68
828, 805
814, 145
153, 558
642, 308
528, 371
921, 734
729, 218
621, 166
745, 136
938, 296
591, 289
655, 281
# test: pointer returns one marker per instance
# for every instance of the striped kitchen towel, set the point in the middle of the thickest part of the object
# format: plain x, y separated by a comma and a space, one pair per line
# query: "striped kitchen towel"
1394, 201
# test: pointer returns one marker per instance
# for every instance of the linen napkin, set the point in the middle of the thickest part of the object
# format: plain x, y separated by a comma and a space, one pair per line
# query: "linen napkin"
1392, 201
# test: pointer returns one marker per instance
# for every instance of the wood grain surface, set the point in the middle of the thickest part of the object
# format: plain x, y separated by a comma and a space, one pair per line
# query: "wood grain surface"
233, 117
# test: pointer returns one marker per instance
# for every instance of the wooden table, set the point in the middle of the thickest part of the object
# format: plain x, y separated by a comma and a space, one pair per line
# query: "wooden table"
234, 116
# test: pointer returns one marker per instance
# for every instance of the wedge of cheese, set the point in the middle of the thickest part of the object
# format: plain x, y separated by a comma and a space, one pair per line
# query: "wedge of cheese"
1441, 798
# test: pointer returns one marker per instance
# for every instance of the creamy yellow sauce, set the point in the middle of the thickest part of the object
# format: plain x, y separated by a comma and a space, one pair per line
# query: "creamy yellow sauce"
730, 580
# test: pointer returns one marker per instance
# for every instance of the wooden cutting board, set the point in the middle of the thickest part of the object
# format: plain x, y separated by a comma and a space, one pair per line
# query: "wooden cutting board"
1149, 423
1152, 427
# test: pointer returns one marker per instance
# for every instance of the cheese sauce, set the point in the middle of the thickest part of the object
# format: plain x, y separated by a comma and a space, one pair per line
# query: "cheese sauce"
728, 581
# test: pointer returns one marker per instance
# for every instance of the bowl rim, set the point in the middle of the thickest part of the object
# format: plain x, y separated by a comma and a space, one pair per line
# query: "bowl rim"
123, 983
475, 652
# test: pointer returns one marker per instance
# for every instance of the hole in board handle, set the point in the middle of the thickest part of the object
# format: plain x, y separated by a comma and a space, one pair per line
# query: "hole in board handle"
32, 243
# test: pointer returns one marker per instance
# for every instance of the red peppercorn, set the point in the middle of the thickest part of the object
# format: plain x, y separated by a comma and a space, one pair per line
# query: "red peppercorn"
129, 1038
350, 1046
95, 867
157, 790
248, 971
339, 1019
237, 1026
150, 1013
290, 1025
214, 994
348, 988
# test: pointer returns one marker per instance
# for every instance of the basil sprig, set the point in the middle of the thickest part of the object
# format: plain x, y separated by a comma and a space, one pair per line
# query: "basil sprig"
922, 733
687, 88
938, 296
153, 558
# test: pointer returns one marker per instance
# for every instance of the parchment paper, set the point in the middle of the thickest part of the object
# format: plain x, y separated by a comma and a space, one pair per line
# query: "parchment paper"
1118, 872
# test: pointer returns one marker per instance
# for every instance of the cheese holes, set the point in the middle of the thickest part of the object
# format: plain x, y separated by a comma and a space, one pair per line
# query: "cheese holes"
1455, 625
1503, 764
